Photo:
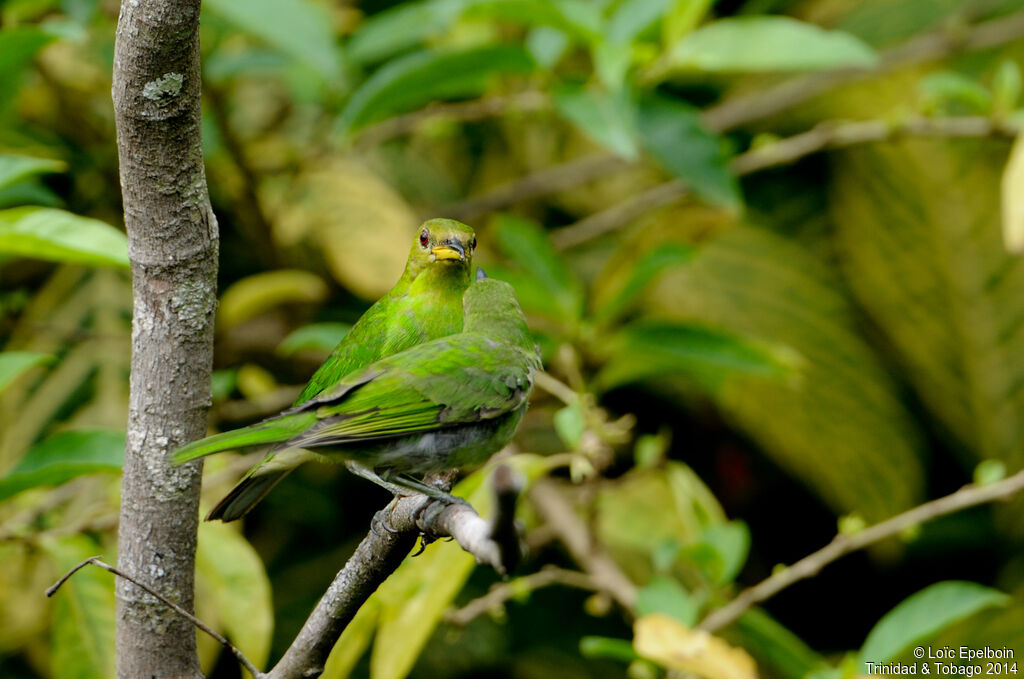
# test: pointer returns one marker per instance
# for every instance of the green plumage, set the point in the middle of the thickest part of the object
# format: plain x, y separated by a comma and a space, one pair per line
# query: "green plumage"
447, 403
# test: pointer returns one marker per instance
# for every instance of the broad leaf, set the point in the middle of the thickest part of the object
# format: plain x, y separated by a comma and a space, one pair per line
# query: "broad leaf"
14, 169
924, 614
607, 118
318, 337
417, 79
402, 27
728, 543
672, 133
59, 236
14, 363
648, 349
841, 428
610, 302
769, 43
63, 457
606, 647
664, 594
230, 571
255, 294
299, 28
924, 255
82, 645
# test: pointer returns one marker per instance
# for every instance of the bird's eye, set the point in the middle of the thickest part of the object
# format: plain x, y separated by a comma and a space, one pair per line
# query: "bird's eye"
424, 238
472, 244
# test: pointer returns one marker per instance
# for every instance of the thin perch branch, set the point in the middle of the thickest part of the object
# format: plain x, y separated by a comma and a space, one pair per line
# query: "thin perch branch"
841, 545
393, 536
95, 561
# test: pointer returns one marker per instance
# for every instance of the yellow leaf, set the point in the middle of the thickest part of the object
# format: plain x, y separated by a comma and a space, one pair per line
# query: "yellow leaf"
1013, 199
253, 295
675, 646
362, 226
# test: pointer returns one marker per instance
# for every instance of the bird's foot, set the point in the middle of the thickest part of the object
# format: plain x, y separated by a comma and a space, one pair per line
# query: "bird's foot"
430, 491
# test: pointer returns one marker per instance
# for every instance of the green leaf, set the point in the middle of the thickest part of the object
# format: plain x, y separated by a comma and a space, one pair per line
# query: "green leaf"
682, 17
14, 169
924, 614
577, 18
570, 425
676, 506
951, 92
730, 543
82, 642
918, 232
13, 363
665, 595
59, 236
419, 78
607, 647
299, 28
545, 279
769, 43
231, 572
318, 337
841, 428
652, 349
18, 46
610, 304
672, 133
402, 27
547, 45
255, 294
607, 118
633, 18
63, 457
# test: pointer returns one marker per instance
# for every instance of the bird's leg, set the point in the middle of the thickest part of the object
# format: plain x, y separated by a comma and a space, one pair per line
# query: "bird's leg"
371, 476
424, 488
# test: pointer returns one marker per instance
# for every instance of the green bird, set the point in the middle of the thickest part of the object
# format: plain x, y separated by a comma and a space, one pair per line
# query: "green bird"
425, 304
448, 403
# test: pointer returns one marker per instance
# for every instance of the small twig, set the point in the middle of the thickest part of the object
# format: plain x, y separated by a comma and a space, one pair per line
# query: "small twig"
540, 183
842, 544
505, 591
824, 136
559, 514
95, 561
560, 390
461, 111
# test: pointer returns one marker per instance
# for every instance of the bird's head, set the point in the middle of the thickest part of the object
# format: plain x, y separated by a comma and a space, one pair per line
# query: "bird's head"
442, 243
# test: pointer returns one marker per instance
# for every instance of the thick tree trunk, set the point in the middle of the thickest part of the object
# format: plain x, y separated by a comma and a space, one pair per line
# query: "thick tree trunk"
173, 248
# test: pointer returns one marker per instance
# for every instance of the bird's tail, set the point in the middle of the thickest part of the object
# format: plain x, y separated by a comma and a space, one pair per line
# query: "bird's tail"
246, 493
276, 430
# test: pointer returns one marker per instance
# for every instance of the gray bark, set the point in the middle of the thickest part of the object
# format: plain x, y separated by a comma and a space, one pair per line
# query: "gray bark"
172, 237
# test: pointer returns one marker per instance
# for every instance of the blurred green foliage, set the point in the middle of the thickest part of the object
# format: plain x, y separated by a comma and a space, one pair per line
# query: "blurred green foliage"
728, 368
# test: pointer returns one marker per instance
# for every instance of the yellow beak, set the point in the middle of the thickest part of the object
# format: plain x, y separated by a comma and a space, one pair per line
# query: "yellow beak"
447, 252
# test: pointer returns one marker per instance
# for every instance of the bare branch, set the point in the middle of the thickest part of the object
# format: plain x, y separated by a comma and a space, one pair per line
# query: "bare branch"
504, 591
95, 561
558, 513
824, 136
842, 544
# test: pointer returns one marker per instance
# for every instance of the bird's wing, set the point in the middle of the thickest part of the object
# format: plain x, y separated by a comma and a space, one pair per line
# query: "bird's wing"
461, 379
